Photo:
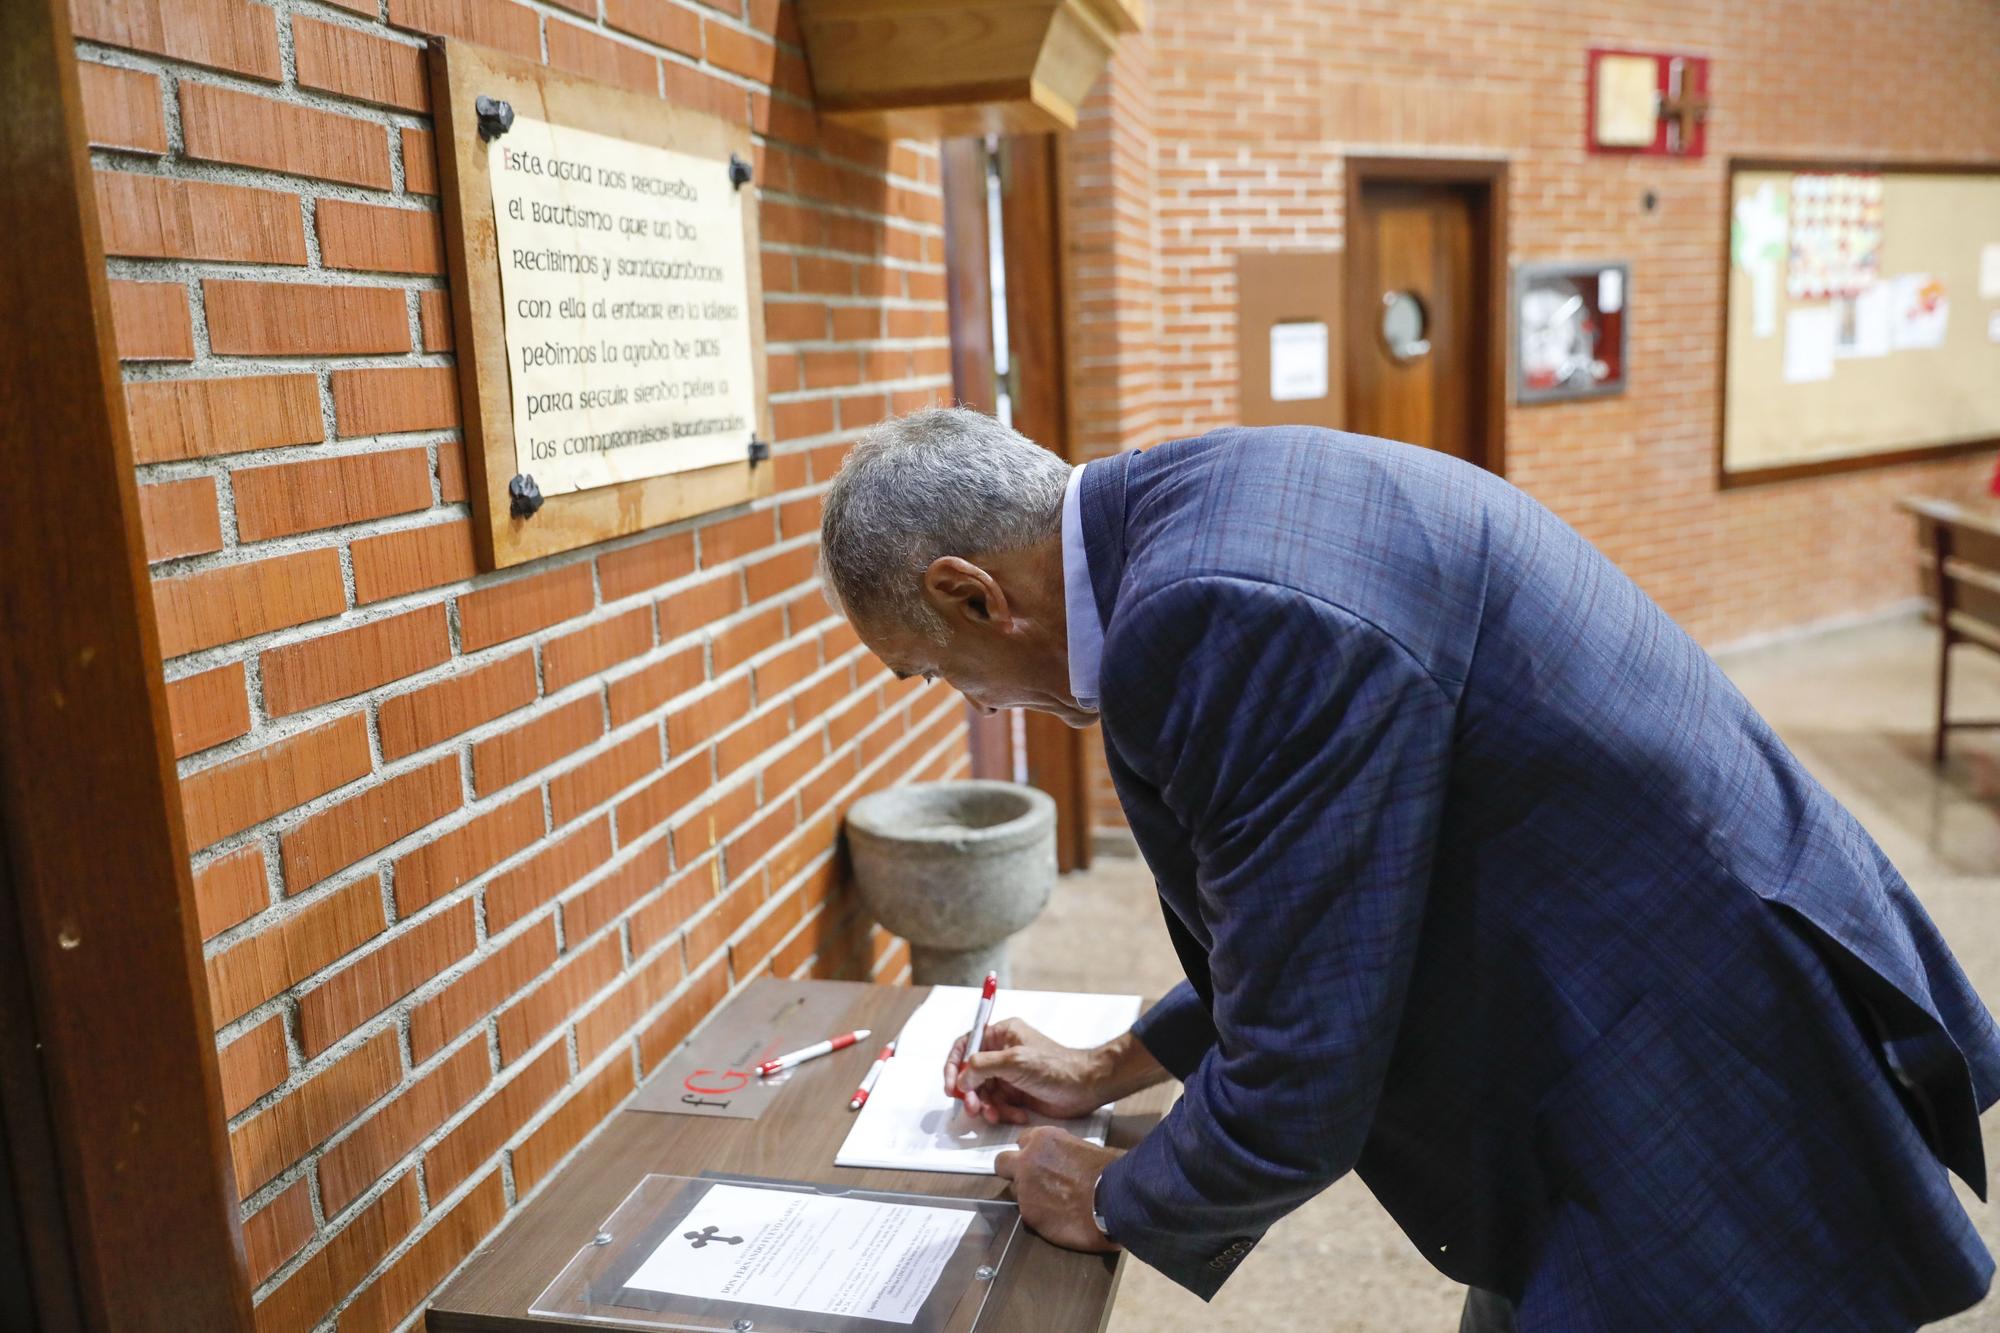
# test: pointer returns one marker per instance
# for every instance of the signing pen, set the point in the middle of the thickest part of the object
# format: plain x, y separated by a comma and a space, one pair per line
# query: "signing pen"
868, 1082
974, 1038
812, 1052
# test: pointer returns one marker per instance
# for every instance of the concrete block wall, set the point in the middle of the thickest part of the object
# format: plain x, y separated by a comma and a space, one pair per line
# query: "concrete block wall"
474, 852
1227, 125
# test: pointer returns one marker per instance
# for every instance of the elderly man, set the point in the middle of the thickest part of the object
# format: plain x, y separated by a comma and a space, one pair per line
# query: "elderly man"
1486, 882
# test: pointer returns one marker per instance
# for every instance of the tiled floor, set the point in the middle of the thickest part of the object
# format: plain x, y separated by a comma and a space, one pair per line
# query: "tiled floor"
1854, 705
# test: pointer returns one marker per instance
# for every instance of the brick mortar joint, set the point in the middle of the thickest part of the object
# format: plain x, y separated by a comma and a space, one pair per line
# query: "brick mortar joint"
380, 862
432, 1209
461, 663
287, 91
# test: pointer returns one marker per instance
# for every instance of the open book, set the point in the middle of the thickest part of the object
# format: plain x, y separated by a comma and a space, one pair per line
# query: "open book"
910, 1124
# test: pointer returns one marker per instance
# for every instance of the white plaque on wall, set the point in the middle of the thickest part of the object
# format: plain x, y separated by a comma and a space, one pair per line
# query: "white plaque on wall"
1298, 361
623, 277
1628, 103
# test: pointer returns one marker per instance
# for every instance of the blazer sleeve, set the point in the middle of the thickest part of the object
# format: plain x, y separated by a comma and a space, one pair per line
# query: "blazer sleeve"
1177, 1031
1306, 753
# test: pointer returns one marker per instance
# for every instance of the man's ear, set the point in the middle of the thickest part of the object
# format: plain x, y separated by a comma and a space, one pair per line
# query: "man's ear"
961, 591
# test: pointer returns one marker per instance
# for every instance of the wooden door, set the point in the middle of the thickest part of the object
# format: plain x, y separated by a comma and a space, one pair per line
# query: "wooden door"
1038, 376
1422, 331
1003, 201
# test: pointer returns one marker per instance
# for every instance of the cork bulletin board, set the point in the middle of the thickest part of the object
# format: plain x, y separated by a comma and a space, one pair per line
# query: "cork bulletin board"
615, 356
1862, 320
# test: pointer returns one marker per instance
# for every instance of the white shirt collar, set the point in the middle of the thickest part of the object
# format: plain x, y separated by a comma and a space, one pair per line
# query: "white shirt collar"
1086, 632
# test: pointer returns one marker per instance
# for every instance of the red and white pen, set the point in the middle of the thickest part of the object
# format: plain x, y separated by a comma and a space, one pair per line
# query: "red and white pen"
812, 1052
874, 1072
977, 1037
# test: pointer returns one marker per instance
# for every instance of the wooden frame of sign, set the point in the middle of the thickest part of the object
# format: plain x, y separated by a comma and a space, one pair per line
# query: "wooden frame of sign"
460, 73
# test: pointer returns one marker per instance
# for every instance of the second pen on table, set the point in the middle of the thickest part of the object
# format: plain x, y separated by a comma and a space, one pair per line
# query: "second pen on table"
868, 1080
818, 1048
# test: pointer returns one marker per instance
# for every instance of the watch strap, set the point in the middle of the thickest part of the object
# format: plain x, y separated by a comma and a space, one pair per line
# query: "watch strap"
1096, 1213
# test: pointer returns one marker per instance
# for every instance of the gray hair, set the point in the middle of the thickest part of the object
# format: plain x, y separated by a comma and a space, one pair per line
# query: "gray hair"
940, 481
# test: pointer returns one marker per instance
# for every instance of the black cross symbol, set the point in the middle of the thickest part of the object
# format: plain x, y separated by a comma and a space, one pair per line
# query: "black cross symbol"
707, 1234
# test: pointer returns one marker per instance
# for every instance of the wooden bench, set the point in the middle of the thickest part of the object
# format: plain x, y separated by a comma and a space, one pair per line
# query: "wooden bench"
1958, 552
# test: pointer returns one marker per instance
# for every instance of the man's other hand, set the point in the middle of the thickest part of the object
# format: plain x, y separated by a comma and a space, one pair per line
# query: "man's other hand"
1055, 1178
1019, 1070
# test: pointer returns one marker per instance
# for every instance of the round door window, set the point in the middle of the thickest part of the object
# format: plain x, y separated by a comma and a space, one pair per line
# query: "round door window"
1404, 324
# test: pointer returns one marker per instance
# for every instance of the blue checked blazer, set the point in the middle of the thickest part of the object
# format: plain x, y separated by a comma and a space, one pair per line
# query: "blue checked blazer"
1490, 886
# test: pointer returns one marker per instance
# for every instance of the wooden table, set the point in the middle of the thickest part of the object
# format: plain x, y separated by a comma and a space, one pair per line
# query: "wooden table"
1980, 515
1958, 560
1041, 1289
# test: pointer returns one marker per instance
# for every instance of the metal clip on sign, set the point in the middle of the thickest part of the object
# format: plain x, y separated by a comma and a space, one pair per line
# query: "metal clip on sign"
524, 496
495, 116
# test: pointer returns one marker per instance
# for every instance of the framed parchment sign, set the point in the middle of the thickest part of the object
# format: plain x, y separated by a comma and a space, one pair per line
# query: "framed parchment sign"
608, 312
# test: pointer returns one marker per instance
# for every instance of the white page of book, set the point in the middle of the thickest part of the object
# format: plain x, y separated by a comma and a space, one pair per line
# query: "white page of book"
910, 1124
807, 1252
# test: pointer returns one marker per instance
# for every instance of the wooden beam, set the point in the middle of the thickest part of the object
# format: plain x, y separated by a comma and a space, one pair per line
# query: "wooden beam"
968, 276
1031, 236
968, 271
120, 1184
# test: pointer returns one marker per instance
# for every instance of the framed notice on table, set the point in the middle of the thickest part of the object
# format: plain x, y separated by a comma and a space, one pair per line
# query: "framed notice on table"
740, 1253
607, 304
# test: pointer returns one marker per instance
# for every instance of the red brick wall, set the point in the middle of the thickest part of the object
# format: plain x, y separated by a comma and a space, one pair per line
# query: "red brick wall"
473, 853
1225, 128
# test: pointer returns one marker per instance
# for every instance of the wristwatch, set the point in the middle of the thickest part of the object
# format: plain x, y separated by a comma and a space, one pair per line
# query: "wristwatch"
1096, 1215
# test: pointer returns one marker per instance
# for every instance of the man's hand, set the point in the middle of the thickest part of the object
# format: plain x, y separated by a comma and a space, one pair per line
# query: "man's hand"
1055, 1176
1018, 1070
